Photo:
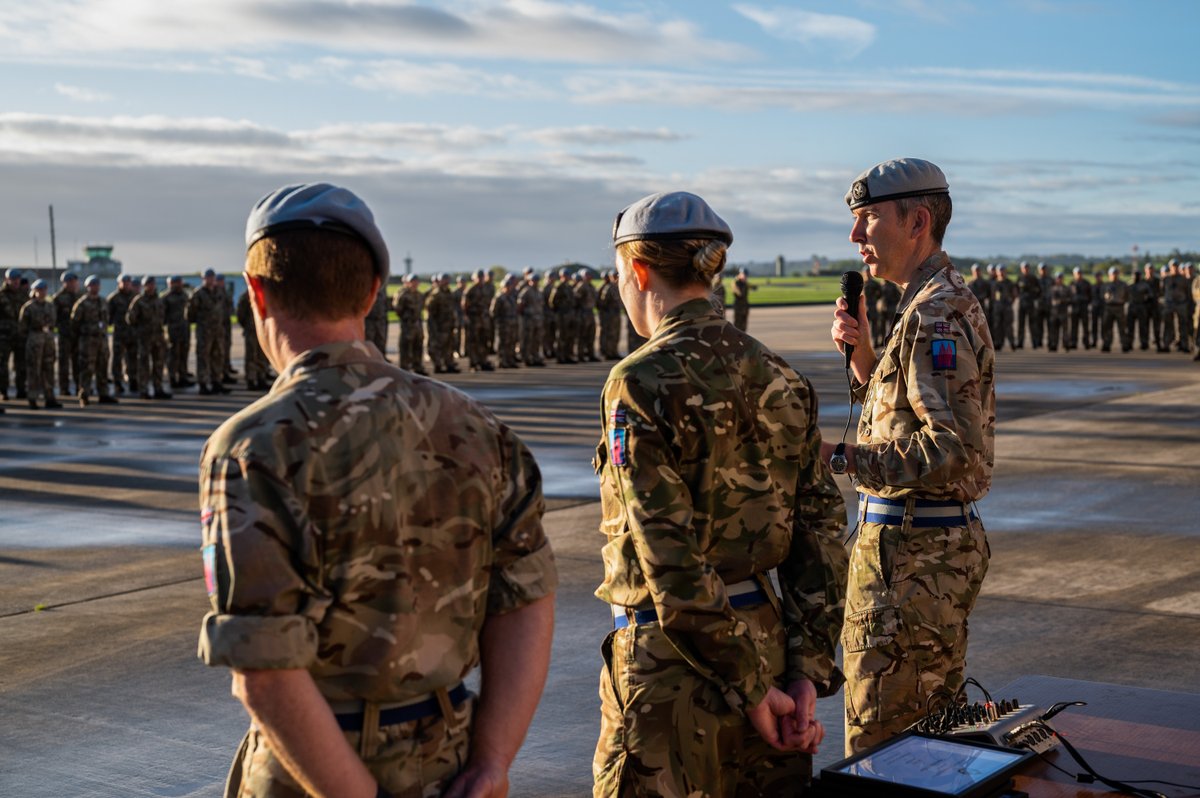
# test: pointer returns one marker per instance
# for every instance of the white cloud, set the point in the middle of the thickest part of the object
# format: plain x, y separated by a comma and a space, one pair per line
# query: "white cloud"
407, 77
600, 136
524, 30
81, 94
848, 35
384, 137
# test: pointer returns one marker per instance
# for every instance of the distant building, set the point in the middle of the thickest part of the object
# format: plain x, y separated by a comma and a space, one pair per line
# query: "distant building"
99, 262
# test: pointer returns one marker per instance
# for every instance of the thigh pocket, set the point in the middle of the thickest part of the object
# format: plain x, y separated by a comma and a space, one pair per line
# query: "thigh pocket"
877, 627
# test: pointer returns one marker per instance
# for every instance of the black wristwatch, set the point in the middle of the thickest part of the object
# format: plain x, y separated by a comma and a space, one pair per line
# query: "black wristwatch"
837, 460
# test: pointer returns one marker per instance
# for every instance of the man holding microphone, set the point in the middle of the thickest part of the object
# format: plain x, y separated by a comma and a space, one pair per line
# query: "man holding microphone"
923, 456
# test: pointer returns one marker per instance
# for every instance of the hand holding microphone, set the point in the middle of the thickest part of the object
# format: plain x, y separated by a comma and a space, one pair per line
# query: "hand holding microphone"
851, 333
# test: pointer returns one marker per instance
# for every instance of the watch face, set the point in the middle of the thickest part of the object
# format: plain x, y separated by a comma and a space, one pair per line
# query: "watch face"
837, 463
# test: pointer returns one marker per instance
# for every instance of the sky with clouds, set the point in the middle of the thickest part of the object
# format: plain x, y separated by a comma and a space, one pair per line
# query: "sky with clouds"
511, 131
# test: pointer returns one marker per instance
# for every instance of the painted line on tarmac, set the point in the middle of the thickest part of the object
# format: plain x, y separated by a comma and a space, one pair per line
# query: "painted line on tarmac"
45, 607
1066, 606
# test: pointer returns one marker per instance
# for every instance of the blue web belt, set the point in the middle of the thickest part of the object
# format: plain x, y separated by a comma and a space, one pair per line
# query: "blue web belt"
741, 595
925, 512
416, 710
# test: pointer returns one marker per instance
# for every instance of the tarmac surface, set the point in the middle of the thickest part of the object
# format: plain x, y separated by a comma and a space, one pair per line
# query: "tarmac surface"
1093, 520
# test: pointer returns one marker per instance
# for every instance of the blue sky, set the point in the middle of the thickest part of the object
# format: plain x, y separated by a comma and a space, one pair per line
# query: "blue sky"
510, 132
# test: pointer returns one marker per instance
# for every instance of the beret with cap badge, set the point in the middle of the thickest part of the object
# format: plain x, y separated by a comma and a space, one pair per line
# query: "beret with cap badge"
896, 179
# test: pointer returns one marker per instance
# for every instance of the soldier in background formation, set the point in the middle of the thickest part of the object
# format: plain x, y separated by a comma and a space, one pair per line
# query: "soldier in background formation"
531, 308
1004, 293
1029, 290
36, 324
179, 333
204, 310
585, 318
409, 303
124, 344
376, 324
460, 327
146, 317
64, 299
872, 294
741, 299
440, 306
1116, 295
608, 303
562, 303
1058, 313
475, 306
227, 370
550, 328
254, 364
10, 309
503, 315
89, 322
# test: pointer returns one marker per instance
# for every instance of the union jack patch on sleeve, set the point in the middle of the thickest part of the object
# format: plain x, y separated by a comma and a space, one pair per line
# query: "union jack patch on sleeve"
617, 417
941, 327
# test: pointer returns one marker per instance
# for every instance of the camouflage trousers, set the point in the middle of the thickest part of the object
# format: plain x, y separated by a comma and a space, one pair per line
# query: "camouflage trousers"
376, 333
152, 354
178, 342
667, 731
8, 345
905, 637
610, 335
93, 364
741, 320
124, 355
477, 341
68, 363
1175, 326
1114, 315
585, 335
440, 346
565, 322
506, 348
1002, 327
1137, 321
550, 335
39, 360
410, 345
254, 363
533, 333
210, 355
1056, 329
416, 759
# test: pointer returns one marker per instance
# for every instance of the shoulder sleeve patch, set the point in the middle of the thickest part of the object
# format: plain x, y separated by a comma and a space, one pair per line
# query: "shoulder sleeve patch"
941, 327
945, 355
618, 445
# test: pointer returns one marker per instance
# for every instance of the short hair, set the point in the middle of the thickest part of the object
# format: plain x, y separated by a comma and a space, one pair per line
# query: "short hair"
314, 274
681, 263
940, 209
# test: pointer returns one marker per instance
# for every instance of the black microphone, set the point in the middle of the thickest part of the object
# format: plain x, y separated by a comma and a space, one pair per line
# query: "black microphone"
852, 285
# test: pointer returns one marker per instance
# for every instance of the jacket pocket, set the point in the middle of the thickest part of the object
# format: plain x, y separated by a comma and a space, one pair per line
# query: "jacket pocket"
877, 627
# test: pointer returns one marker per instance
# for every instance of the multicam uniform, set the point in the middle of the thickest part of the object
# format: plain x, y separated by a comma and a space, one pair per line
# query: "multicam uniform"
1057, 319
475, 309
145, 318
710, 476
1116, 296
89, 321
741, 303
204, 309
585, 321
610, 307
562, 303
925, 448
10, 309
442, 320
68, 366
504, 317
255, 360
36, 326
179, 335
1029, 311
532, 309
354, 552
124, 340
376, 323
408, 303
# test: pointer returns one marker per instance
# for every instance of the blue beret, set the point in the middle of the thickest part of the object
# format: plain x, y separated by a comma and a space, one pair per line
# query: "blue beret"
124, 278
671, 216
209, 273
12, 274
92, 280
69, 276
896, 179
317, 206
39, 283
148, 280
174, 278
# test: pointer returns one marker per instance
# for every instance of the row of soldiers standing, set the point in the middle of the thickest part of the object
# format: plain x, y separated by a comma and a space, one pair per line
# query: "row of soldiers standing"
1161, 303
150, 333
527, 320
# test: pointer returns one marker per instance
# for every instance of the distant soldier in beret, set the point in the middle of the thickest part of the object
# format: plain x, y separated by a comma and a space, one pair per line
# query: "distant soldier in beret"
205, 307
1029, 317
710, 479
1081, 302
741, 299
146, 316
409, 304
1058, 317
377, 321
63, 300
585, 318
89, 323
924, 454
124, 339
179, 333
369, 537
36, 325
610, 309
475, 305
11, 301
532, 310
504, 315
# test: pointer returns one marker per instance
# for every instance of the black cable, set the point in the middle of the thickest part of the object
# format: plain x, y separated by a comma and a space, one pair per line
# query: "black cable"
1119, 786
1168, 783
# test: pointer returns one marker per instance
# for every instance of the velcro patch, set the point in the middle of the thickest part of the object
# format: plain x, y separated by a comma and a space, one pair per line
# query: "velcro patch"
618, 446
617, 417
209, 553
206, 516
945, 355
941, 327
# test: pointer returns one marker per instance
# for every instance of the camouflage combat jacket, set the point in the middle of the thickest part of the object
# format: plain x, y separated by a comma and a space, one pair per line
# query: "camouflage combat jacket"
63, 301
609, 300
10, 309
1115, 293
175, 307
408, 304
562, 298
928, 422
585, 297
710, 474
89, 317
504, 308
37, 316
362, 522
529, 303
741, 294
475, 301
440, 309
146, 315
205, 307
118, 306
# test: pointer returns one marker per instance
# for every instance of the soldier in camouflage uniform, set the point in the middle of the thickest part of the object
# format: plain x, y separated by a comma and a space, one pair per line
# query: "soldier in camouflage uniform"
1116, 296
1081, 302
532, 310
65, 299
562, 304
1137, 316
710, 478
376, 323
227, 312
146, 316
1004, 294
924, 454
873, 294
474, 310
741, 299
1045, 283
1195, 312
254, 364
1097, 310
1058, 318
36, 325
204, 309
364, 530
608, 304
442, 321
409, 304
504, 316
124, 341
89, 322
10, 308
179, 333
585, 318
1154, 308
460, 328
489, 323
981, 289
550, 342
1029, 313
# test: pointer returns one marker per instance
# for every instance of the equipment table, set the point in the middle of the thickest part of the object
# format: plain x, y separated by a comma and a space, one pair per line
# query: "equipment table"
1125, 733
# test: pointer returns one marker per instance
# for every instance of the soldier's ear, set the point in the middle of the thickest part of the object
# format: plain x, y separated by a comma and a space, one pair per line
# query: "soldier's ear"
641, 273
258, 295
369, 302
